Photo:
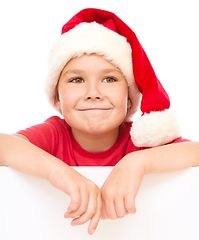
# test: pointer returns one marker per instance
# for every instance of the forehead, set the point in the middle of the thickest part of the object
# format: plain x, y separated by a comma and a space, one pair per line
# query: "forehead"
94, 61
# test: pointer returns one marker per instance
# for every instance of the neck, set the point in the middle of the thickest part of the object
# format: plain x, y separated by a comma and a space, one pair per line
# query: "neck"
96, 143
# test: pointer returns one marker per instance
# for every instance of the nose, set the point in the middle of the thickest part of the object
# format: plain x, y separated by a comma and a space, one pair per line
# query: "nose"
93, 92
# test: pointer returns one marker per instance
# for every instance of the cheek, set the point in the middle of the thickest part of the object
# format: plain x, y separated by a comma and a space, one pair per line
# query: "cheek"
121, 98
125, 103
121, 104
64, 101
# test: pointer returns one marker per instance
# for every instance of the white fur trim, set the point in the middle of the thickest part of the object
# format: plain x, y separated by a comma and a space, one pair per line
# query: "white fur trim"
155, 129
88, 38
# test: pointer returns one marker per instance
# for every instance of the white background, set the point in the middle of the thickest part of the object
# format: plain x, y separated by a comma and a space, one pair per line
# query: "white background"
168, 31
167, 208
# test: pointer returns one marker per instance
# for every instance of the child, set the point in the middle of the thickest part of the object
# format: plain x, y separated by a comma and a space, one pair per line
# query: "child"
97, 73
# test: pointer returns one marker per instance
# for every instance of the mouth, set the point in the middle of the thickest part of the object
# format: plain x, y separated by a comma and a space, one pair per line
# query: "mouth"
94, 109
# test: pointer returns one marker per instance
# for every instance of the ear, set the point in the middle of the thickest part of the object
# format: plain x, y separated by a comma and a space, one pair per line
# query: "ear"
129, 103
57, 105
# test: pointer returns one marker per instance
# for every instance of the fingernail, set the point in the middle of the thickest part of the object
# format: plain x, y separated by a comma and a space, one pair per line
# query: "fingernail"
69, 211
73, 224
65, 215
92, 231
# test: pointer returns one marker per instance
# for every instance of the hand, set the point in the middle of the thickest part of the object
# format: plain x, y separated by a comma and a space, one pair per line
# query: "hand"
121, 187
18, 153
86, 202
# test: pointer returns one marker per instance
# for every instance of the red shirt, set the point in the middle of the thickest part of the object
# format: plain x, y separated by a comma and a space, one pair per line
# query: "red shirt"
55, 137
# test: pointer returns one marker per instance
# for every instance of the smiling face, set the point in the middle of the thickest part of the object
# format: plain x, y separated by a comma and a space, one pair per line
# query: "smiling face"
93, 96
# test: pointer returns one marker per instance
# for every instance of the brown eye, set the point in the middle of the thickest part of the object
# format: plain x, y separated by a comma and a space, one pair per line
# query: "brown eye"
77, 80
109, 80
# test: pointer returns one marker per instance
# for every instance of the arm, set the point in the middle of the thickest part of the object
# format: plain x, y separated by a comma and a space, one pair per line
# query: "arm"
18, 153
121, 187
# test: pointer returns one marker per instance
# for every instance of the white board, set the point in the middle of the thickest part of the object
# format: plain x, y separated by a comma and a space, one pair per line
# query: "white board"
167, 208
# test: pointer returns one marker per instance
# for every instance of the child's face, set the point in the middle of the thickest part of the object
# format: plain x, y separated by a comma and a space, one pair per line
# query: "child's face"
93, 95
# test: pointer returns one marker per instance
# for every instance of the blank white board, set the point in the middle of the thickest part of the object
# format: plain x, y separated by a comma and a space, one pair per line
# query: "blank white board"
167, 208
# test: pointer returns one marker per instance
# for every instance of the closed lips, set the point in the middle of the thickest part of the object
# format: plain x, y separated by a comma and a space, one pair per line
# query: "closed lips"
93, 109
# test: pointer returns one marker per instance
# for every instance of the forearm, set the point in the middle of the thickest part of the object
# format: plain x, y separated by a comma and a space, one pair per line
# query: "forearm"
23, 156
85, 196
168, 158
121, 187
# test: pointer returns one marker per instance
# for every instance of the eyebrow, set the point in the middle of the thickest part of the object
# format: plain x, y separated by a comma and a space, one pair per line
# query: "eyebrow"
79, 71
110, 70
74, 71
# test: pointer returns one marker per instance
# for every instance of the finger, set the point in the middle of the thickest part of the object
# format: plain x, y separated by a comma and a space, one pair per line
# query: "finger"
110, 208
79, 205
89, 212
96, 218
75, 201
103, 213
129, 202
120, 207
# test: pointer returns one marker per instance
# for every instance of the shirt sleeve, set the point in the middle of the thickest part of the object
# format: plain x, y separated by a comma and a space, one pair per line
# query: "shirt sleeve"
43, 135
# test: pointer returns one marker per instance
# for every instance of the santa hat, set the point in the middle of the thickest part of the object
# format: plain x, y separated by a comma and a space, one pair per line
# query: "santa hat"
102, 32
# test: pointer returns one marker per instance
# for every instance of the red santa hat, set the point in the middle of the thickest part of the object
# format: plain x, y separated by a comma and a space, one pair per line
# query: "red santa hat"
102, 32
